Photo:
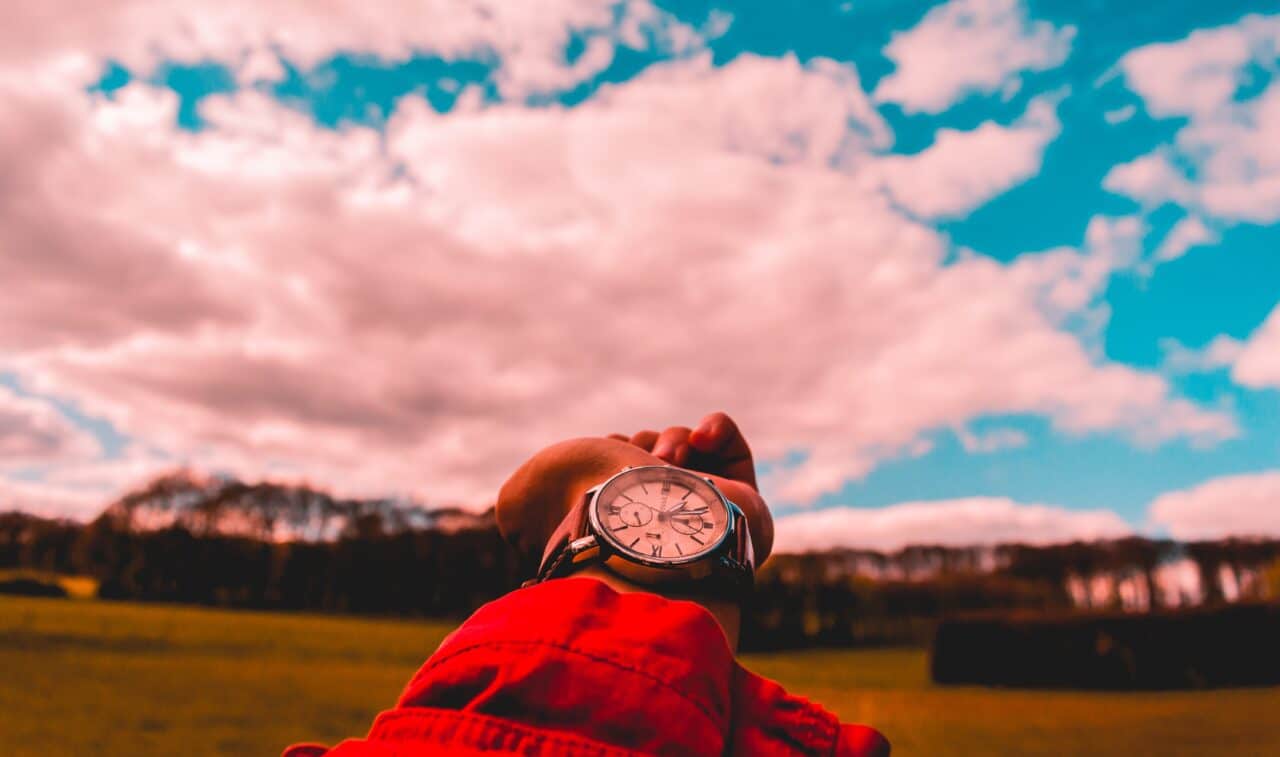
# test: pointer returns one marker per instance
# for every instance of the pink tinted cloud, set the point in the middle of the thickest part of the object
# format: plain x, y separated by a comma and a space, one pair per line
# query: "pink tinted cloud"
962, 170
972, 521
992, 440
33, 432
1233, 144
1222, 351
1243, 505
80, 488
1187, 233
1257, 363
1199, 74
967, 46
416, 314
528, 40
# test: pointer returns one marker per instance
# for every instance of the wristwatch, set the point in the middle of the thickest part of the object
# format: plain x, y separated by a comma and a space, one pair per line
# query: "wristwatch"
656, 525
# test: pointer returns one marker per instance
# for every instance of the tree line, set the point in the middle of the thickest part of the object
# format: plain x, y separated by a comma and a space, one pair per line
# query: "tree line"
184, 538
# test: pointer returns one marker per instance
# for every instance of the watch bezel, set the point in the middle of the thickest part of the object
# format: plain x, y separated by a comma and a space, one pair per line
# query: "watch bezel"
606, 541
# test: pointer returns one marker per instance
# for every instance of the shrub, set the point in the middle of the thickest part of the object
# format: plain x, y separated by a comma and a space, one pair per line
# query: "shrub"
1205, 647
30, 587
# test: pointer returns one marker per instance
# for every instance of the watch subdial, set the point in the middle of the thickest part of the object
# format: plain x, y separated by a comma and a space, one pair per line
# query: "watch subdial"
687, 523
635, 514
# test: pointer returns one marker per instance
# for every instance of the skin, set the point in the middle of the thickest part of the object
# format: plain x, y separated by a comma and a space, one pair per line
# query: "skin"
541, 492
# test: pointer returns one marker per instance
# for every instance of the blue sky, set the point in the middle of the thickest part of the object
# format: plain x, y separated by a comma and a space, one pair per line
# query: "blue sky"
1067, 86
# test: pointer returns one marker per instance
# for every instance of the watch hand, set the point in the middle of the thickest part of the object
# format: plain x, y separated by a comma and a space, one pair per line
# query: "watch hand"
639, 502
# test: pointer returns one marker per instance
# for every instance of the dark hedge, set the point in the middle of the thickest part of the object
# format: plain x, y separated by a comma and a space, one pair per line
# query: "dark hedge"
30, 587
1236, 645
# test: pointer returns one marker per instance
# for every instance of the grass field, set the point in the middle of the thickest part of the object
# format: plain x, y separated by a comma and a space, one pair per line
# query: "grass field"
86, 677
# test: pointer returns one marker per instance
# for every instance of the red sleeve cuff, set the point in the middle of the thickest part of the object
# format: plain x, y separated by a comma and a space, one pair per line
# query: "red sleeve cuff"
573, 662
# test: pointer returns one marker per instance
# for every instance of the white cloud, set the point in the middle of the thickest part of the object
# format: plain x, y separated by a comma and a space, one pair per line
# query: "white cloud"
964, 169
972, 521
1243, 505
1233, 145
967, 46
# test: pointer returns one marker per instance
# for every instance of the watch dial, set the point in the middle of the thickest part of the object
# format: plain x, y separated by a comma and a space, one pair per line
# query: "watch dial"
661, 514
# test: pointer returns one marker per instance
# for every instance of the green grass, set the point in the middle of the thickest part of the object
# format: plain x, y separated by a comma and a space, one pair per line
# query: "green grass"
104, 678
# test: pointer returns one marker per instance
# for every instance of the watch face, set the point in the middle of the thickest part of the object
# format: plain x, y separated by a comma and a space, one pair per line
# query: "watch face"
661, 515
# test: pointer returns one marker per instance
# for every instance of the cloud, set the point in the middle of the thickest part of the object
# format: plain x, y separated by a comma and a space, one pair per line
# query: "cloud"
32, 433
993, 440
1243, 505
527, 43
972, 521
1221, 352
962, 170
1185, 234
80, 488
1151, 179
40, 499
1258, 362
415, 312
1229, 142
968, 46
1120, 115
1200, 74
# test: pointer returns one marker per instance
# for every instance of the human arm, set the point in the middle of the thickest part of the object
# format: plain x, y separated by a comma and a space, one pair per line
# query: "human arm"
538, 495
594, 664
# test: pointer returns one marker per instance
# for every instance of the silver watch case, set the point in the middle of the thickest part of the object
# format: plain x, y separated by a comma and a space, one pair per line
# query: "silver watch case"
645, 570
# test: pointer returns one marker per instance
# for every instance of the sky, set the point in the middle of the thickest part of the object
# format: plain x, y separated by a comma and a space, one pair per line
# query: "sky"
965, 272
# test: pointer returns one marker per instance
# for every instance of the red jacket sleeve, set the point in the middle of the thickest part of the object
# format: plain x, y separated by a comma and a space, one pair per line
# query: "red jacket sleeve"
573, 667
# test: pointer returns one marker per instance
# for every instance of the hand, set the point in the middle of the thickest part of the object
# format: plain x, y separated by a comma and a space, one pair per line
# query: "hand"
717, 447
534, 500
536, 497
714, 446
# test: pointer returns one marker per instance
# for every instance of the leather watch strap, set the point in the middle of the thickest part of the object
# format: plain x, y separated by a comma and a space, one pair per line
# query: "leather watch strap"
572, 527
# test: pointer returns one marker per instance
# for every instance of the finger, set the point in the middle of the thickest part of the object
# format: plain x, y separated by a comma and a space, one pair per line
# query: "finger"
714, 432
619, 437
680, 455
669, 440
717, 435
644, 439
